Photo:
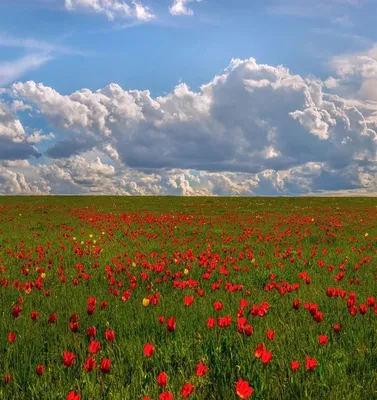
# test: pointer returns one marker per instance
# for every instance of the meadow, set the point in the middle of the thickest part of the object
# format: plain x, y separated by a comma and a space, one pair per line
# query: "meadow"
165, 298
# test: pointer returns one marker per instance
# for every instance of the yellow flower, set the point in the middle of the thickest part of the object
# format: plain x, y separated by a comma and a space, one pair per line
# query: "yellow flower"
366, 235
82, 242
186, 271
94, 241
74, 238
43, 275
28, 291
91, 235
133, 264
146, 302
253, 260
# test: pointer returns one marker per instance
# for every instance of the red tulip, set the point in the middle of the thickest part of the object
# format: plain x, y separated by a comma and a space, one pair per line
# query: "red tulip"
266, 357
295, 365
311, 363
211, 322
270, 334
109, 335
188, 300
162, 379
16, 311
259, 350
105, 365
91, 332
166, 396
243, 389
40, 370
322, 339
52, 318
94, 347
201, 369
187, 389
68, 358
11, 337
171, 324
73, 396
74, 326
34, 315
149, 350
89, 364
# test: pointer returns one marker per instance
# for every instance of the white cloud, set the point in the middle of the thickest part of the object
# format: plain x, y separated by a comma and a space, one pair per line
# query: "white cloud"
179, 7
113, 9
36, 45
12, 70
253, 129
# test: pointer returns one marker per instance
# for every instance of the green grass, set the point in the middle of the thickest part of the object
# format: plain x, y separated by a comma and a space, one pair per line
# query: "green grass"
138, 234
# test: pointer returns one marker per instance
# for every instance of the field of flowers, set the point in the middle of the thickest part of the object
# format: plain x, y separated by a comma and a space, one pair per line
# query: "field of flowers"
171, 298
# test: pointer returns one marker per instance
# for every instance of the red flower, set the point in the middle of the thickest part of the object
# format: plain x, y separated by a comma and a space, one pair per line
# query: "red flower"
166, 396
16, 311
296, 304
103, 305
161, 319
105, 365
243, 389
201, 369
73, 396
89, 364
34, 315
248, 330
91, 332
188, 300
68, 358
7, 379
74, 318
187, 389
211, 322
266, 357
337, 328
52, 318
149, 350
311, 363
318, 316
171, 325
94, 347
295, 365
259, 350
322, 339
270, 334
74, 326
40, 370
218, 306
11, 337
162, 379
109, 335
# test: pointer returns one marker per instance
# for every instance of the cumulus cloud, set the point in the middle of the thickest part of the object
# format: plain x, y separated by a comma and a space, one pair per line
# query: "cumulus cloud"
179, 7
253, 129
113, 9
14, 142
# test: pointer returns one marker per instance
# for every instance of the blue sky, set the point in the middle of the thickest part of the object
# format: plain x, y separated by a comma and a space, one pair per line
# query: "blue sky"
71, 45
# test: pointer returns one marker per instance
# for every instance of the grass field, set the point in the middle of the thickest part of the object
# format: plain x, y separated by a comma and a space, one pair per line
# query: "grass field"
278, 292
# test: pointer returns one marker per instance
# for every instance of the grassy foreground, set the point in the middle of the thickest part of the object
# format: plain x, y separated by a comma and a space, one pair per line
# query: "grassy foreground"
277, 292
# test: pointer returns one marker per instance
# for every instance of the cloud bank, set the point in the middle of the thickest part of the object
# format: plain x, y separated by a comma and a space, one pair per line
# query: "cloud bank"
254, 129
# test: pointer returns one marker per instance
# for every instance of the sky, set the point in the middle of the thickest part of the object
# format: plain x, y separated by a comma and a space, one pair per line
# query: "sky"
188, 97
